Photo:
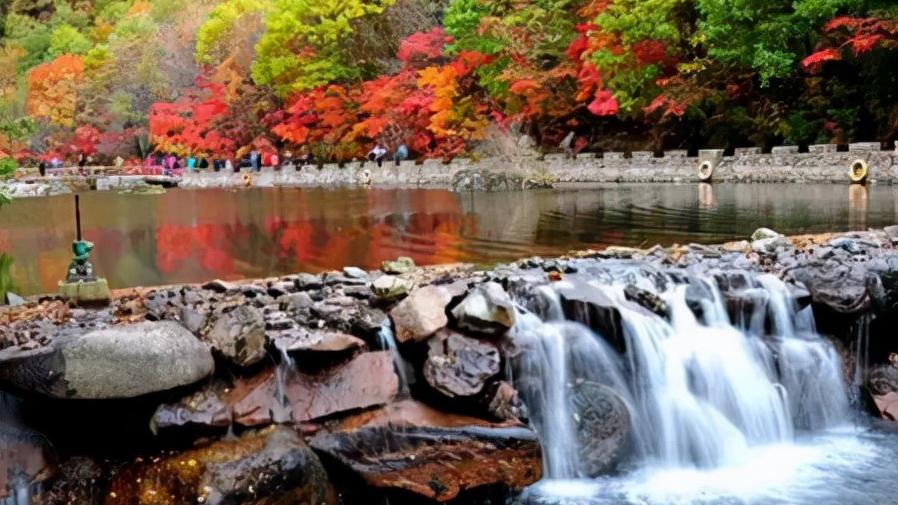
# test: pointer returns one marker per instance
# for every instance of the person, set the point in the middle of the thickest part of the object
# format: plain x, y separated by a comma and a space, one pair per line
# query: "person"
168, 163
401, 154
275, 161
228, 165
378, 153
42, 168
255, 161
568, 144
191, 163
204, 163
55, 163
287, 163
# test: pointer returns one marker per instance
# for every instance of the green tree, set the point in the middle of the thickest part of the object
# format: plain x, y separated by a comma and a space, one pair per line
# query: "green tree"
304, 43
766, 36
66, 39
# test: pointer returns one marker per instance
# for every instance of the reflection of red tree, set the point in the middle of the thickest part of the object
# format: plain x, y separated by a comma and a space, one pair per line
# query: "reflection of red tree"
207, 243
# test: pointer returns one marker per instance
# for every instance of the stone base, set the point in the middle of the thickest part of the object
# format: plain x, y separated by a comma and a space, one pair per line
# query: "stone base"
86, 293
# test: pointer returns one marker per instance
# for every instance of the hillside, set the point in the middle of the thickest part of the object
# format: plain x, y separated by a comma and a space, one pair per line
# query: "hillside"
125, 77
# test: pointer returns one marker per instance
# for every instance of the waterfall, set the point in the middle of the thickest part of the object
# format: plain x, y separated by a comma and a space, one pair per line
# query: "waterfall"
388, 341
282, 409
700, 391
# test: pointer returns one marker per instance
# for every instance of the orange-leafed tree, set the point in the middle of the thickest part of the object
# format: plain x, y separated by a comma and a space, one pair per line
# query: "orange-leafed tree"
53, 90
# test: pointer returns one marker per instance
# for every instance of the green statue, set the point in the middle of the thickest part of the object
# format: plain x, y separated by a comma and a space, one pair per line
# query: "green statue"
80, 269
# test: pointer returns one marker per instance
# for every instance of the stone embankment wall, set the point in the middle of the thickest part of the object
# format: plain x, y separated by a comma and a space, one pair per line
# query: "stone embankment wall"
822, 163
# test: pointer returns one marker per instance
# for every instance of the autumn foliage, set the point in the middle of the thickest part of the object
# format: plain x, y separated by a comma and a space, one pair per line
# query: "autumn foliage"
334, 77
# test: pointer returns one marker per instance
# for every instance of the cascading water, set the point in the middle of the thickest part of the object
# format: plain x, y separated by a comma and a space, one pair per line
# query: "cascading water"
388, 341
282, 410
702, 393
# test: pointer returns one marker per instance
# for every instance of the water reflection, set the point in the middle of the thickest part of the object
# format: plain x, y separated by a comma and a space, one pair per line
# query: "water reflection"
191, 236
857, 206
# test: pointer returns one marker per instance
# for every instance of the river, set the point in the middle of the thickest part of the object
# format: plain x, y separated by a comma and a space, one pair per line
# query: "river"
195, 235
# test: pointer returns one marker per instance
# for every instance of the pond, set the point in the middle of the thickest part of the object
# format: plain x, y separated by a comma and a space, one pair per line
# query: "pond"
197, 235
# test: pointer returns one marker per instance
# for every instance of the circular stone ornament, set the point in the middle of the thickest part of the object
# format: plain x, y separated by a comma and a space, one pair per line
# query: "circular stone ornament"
705, 171
859, 171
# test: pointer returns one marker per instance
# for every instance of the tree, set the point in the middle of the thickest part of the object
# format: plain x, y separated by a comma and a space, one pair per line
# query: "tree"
52, 90
302, 47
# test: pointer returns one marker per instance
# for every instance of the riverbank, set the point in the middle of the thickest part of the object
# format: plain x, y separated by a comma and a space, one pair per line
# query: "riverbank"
821, 163
396, 382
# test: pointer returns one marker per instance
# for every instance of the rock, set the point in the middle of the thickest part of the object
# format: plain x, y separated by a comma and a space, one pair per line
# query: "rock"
297, 301
120, 362
366, 380
459, 366
312, 340
487, 309
401, 265
436, 455
505, 403
647, 299
80, 480
421, 314
740, 246
887, 405
220, 286
603, 427
846, 244
355, 273
764, 233
194, 319
14, 300
388, 288
239, 335
883, 379
892, 233
273, 467
588, 305
841, 287
26, 460
309, 281
770, 245
203, 408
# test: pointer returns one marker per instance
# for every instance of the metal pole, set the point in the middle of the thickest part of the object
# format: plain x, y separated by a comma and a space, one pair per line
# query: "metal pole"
78, 216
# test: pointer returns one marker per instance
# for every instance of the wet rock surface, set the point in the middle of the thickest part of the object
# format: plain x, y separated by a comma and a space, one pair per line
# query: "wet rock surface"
239, 335
271, 467
119, 362
430, 453
459, 366
365, 381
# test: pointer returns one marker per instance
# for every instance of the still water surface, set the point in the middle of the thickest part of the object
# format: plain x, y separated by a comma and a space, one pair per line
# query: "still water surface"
196, 235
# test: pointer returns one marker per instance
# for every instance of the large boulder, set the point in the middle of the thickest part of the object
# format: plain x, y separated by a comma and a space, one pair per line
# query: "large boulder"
412, 447
840, 286
366, 380
487, 309
118, 362
421, 314
273, 467
459, 366
602, 421
239, 335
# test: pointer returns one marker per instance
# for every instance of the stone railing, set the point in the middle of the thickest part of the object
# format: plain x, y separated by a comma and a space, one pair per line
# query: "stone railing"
821, 163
